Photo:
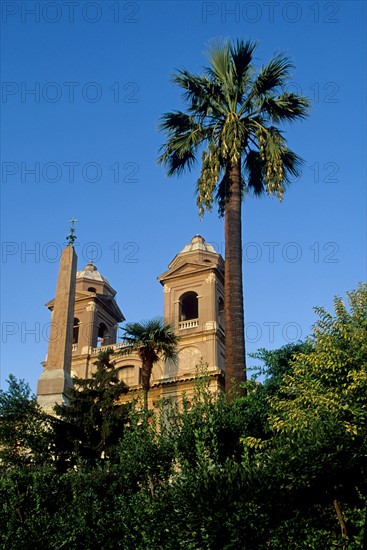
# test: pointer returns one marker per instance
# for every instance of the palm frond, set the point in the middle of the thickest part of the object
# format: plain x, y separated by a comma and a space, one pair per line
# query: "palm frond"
219, 57
184, 136
285, 107
292, 164
176, 163
241, 54
150, 338
230, 67
222, 72
184, 132
254, 168
203, 95
272, 76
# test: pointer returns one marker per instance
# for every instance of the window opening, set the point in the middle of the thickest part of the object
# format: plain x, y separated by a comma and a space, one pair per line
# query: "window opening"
76, 330
189, 306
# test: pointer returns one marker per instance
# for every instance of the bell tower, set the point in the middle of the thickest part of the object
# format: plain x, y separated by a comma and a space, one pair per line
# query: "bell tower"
85, 317
96, 319
96, 313
194, 306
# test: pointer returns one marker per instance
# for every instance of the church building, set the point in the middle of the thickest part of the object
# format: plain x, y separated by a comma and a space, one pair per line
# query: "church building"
86, 315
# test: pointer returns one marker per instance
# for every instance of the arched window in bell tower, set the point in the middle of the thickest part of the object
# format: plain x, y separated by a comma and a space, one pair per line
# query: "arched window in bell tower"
221, 318
76, 330
102, 335
189, 307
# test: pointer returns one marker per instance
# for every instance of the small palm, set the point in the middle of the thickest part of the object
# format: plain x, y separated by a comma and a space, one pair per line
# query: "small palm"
151, 340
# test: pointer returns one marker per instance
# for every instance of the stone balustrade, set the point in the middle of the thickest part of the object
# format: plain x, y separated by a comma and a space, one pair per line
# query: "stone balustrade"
192, 323
115, 347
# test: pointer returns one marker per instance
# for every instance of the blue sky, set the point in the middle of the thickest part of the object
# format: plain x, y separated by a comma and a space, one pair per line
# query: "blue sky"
84, 144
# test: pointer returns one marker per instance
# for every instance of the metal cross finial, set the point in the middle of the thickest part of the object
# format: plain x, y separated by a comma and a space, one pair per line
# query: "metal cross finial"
71, 237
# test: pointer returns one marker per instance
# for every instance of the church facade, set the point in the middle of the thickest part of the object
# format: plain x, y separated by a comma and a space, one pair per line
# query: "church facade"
86, 316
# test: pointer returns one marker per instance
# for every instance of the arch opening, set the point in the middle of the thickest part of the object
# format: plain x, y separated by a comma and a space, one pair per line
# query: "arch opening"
221, 317
189, 307
102, 335
76, 330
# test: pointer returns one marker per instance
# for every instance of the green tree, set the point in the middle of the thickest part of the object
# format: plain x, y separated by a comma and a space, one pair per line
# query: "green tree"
91, 424
330, 383
317, 440
333, 375
233, 117
277, 363
24, 433
213, 474
151, 340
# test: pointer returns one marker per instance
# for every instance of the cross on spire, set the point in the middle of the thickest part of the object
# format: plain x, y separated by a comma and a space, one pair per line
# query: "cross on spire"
71, 237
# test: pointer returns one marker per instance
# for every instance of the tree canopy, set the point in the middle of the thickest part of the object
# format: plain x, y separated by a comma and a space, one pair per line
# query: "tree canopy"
92, 422
282, 467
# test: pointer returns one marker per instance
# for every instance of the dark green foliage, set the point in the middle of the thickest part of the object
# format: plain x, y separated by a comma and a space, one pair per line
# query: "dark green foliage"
92, 422
269, 470
24, 438
277, 363
44, 509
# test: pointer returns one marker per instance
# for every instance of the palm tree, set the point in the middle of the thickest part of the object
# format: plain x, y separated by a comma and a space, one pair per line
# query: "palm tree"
232, 110
151, 340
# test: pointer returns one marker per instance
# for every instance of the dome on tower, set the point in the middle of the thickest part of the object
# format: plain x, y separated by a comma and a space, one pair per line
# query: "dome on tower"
91, 280
198, 243
91, 272
196, 253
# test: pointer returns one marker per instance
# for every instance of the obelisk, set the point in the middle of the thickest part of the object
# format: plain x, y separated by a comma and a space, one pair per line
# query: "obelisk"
56, 378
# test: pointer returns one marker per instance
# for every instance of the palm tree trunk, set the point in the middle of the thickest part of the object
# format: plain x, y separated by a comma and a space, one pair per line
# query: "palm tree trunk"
146, 371
234, 316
